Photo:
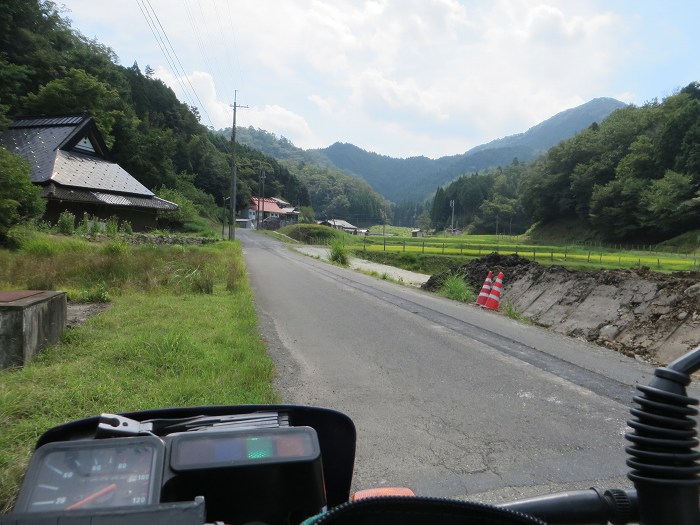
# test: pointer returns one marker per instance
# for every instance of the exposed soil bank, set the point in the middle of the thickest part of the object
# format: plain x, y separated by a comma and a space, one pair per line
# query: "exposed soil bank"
638, 312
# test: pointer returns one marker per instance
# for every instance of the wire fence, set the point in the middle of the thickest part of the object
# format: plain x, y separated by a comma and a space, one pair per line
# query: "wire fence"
576, 255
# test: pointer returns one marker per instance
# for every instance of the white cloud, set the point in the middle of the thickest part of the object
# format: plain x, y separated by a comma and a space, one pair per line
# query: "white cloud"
407, 73
282, 122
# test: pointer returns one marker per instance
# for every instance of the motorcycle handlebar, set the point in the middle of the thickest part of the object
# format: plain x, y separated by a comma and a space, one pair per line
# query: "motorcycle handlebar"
581, 507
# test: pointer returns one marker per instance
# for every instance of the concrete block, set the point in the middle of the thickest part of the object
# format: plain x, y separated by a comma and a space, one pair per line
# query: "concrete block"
29, 320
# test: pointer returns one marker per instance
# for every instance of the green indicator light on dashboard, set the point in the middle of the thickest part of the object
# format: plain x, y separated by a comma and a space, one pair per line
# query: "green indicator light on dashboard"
259, 448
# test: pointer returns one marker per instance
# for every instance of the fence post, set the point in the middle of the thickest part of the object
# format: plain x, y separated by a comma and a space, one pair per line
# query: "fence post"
516, 249
423, 247
364, 244
589, 256
551, 257
404, 245
385, 243
443, 248
566, 251
534, 254
658, 263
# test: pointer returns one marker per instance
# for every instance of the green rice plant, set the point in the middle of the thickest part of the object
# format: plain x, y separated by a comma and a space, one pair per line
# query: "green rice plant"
339, 253
454, 287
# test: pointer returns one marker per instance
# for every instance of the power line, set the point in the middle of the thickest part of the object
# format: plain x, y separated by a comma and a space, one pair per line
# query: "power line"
182, 69
145, 5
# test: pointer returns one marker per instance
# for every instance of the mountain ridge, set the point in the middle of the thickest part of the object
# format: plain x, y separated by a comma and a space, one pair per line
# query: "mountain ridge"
415, 178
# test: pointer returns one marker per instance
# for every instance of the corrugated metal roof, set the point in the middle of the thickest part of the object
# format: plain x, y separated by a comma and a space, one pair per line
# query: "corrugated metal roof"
40, 122
269, 204
82, 195
85, 171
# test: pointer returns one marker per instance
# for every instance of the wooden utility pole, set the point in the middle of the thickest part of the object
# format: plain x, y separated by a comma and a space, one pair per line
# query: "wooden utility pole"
234, 172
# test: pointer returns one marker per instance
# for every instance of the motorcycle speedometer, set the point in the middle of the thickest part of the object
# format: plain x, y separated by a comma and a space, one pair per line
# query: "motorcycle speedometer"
93, 474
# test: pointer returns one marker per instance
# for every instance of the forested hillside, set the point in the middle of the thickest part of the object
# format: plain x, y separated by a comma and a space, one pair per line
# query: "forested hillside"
410, 181
49, 68
333, 193
634, 177
413, 179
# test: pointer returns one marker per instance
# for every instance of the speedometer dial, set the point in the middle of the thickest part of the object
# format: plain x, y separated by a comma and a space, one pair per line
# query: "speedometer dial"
93, 474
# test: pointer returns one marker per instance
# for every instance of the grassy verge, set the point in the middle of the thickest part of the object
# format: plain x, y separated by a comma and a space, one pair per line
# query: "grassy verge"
173, 342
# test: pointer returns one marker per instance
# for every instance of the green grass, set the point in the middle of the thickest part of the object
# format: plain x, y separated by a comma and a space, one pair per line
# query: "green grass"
454, 287
511, 311
339, 253
188, 337
314, 233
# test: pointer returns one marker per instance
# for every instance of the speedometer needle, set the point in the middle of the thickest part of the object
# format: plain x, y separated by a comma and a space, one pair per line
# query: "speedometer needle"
92, 497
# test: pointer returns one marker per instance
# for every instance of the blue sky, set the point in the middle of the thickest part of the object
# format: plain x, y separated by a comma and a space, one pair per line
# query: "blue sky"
402, 77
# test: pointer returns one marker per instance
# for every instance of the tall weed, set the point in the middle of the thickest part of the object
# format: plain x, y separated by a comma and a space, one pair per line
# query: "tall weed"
454, 287
339, 253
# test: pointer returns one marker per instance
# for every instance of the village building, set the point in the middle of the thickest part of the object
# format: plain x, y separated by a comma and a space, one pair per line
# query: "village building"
270, 213
71, 162
339, 224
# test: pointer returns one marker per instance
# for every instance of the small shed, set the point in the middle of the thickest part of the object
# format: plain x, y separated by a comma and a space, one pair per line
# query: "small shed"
417, 233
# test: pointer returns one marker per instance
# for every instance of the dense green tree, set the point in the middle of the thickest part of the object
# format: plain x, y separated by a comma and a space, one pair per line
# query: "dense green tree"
19, 198
75, 93
669, 203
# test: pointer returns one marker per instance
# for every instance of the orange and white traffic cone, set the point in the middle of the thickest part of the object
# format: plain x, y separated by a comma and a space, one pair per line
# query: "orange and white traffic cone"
495, 296
485, 290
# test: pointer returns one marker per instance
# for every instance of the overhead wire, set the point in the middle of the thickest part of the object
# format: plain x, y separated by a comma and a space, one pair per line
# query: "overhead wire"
182, 69
198, 36
227, 46
235, 45
175, 64
227, 38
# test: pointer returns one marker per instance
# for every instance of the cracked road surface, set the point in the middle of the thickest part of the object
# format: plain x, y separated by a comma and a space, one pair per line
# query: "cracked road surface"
448, 399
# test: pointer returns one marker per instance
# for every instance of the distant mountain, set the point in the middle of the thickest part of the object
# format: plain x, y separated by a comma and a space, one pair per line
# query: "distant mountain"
415, 178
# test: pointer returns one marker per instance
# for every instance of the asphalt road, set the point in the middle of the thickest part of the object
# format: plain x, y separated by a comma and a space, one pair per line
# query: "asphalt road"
448, 399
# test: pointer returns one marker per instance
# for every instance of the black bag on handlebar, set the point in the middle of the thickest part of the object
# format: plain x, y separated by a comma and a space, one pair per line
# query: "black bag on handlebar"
395, 510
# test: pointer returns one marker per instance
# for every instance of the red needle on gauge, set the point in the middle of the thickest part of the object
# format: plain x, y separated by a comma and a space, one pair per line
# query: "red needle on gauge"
92, 497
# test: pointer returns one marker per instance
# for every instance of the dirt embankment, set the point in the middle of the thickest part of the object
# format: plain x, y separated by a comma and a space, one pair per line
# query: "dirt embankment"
638, 312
